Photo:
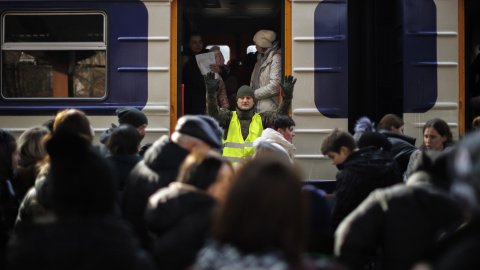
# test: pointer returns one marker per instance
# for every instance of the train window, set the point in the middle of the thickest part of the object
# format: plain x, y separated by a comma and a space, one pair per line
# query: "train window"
225, 49
53, 55
251, 49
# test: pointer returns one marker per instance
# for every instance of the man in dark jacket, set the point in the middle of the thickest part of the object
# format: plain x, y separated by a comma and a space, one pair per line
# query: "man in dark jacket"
360, 172
160, 167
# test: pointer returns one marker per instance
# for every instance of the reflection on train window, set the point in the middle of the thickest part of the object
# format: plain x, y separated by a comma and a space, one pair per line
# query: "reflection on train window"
251, 49
225, 51
53, 55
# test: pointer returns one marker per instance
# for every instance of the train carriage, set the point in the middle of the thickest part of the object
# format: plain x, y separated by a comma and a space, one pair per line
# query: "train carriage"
351, 58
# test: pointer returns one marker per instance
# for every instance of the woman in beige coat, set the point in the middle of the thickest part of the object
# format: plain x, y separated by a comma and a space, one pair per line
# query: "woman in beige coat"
266, 75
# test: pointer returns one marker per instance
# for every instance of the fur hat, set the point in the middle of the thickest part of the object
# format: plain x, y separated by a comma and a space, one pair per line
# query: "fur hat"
132, 116
264, 38
245, 90
363, 125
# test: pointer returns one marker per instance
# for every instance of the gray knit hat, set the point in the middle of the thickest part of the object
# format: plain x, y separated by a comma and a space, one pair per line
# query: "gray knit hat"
245, 90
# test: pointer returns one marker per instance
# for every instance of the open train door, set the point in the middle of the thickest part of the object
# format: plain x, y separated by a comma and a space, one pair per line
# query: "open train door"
320, 62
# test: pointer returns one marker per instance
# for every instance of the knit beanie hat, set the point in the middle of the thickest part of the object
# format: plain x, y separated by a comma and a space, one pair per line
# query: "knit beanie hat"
245, 90
264, 38
132, 116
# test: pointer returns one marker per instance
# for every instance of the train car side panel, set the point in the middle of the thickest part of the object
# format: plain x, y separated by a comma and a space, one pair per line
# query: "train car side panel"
311, 125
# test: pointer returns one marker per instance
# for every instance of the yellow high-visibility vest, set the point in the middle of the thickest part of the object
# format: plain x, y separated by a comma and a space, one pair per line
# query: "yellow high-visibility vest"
235, 149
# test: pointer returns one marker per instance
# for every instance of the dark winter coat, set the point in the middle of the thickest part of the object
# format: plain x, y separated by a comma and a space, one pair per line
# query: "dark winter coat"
158, 169
122, 166
460, 250
193, 85
96, 243
179, 217
402, 147
362, 172
404, 221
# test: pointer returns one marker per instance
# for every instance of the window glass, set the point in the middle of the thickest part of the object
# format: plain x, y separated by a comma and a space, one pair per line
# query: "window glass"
251, 49
53, 55
225, 51
53, 28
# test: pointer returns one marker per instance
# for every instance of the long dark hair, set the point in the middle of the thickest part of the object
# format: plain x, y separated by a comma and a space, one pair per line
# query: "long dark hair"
264, 211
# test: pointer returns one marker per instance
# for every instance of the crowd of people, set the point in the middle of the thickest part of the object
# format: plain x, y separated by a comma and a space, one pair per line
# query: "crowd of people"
223, 190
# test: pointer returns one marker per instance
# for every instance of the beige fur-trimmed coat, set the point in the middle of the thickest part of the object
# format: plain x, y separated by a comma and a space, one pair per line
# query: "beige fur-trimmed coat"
267, 93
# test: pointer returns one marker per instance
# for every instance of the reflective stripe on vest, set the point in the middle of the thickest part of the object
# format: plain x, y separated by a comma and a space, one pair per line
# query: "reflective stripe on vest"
235, 149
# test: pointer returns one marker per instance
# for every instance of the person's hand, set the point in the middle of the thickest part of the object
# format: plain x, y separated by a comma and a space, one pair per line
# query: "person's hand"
211, 84
216, 68
287, 86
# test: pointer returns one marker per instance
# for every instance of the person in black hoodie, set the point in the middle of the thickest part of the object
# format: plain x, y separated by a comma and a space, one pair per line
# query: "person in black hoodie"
402, 145
160, 166
85, 233
8, 199
204, 179
360, 172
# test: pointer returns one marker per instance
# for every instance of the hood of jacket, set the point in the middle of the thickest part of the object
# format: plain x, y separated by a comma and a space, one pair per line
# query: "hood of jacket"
272, 136
168, 206
391, 134
104, 136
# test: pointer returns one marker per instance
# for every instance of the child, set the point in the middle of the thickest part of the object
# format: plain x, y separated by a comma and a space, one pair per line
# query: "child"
360, 172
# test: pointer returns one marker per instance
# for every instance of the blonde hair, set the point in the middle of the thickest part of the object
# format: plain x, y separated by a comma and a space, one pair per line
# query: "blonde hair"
32, 143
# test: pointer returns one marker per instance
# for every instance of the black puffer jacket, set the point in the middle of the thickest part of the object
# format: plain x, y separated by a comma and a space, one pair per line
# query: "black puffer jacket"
158, 169
179, 217
96, 243
404, 221
402, 147
361, 173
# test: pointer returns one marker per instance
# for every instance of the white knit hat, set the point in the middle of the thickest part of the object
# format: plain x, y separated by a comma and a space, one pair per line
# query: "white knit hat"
264, 38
